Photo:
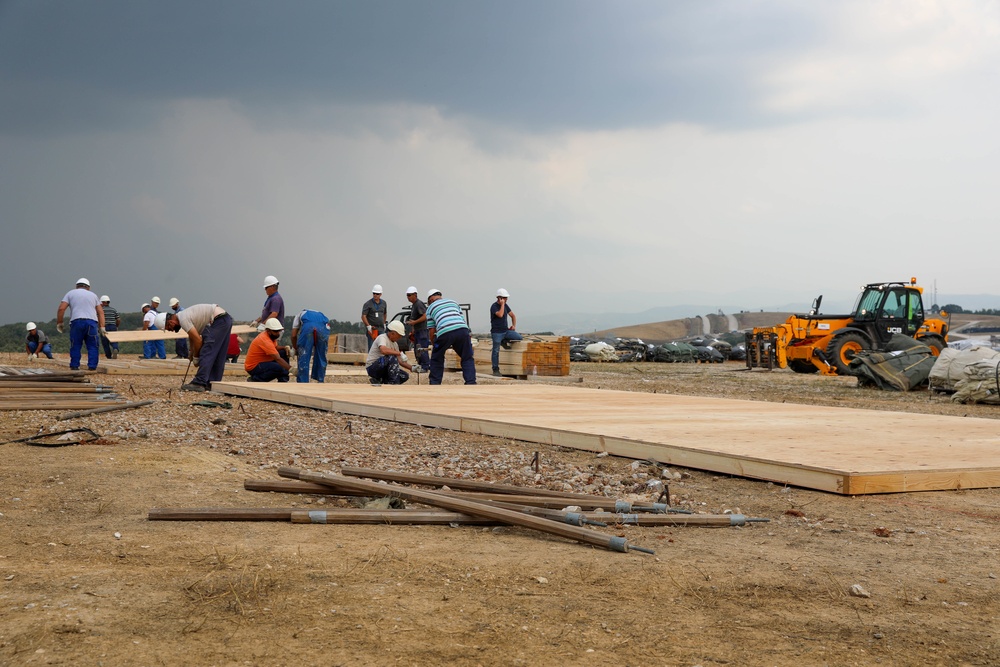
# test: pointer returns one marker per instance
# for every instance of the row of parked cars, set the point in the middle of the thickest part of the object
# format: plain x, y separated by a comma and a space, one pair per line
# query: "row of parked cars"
689, 350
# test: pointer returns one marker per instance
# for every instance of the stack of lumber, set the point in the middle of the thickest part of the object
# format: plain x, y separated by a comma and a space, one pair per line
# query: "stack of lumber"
535, 355
347, 349
41, 389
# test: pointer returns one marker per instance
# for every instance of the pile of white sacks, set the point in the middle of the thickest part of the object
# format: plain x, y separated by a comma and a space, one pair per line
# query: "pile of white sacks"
972, 373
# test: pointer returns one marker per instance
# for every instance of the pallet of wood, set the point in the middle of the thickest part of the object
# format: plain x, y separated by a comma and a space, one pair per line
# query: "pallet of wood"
535, 355
125, 366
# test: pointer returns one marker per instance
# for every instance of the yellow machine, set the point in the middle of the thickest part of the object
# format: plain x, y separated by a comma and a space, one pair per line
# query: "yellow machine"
827, 343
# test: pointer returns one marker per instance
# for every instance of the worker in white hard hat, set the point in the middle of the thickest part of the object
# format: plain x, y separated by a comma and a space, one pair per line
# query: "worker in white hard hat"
311, 337
263, 361
36, 342
86, 323
112, 322
385, 362
274, 304
418, 329
181, 344
373, 315
152, 349
448, 331
500, 331
208, 327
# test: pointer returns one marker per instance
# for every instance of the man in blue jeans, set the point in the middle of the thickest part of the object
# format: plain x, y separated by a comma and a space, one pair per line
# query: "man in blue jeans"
86, 323
37, 342
208, 326
311, 336
499, 330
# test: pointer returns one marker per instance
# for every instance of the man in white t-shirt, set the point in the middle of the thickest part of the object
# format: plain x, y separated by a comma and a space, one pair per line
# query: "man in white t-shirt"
384, 358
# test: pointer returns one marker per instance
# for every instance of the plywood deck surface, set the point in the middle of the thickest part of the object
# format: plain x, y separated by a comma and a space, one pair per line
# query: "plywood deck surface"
840, 450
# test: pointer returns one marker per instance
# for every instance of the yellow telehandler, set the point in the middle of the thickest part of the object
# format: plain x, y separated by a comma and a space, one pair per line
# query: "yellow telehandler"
827, 343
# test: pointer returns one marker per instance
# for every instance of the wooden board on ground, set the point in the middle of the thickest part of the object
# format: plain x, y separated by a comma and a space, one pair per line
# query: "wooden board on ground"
125, 366
840, 450
159, 334
535, 355
346, 357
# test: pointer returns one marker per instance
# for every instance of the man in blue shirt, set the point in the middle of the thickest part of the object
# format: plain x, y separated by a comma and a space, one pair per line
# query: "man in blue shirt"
448, 330
499, 331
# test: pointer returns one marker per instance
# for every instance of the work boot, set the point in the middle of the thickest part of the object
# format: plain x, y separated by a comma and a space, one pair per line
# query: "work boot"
374, 381
505, 344
496, 372
114, 354
191, 386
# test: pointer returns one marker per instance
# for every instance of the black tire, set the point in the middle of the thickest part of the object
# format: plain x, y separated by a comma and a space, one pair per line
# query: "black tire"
842, 349
935, 342
800, 366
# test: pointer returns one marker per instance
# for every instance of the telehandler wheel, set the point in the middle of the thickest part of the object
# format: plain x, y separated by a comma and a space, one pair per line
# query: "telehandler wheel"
935, 342
800, 366
842, 349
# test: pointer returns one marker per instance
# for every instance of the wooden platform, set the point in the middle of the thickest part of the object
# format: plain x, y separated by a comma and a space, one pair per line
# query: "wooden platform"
840, 450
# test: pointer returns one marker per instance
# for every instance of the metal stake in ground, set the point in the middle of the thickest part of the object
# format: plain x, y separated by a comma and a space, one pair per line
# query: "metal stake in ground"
184, 381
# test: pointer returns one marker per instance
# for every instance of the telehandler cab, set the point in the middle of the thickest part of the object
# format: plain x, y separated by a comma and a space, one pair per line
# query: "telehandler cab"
827, 343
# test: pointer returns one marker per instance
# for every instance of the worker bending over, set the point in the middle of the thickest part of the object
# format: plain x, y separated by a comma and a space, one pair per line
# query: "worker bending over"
384, 358
208, 326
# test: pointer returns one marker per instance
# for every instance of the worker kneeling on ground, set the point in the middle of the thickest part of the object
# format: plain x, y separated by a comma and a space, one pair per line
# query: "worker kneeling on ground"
37, 342
263, 362
385, 359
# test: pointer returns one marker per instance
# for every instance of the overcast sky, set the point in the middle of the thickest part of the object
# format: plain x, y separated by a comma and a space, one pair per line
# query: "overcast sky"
586, 156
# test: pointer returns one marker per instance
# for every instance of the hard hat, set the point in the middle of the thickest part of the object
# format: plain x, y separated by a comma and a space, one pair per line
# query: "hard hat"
145, 305
160, 321
411, 290
397, 327
269, 281
155, 299
376, 289
83, 281
105, 297
31, 325
174, 301
432, 291
273, 324
504, 293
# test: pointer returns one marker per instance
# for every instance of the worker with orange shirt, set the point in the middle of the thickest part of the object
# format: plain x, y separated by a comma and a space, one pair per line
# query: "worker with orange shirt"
263, 362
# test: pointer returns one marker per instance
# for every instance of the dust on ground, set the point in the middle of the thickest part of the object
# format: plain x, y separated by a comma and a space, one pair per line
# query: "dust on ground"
85, 578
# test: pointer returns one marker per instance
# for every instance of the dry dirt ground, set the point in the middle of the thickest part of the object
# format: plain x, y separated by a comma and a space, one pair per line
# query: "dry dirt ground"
86, 579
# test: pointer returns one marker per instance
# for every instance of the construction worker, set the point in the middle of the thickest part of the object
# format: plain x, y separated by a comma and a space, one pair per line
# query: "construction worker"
181, 344
311, 336
263, 362
274, 304
418, 331
208, 326
500, 332
373, 315
448, 330
86, 323
112, 322
36, 342
384, 358
151, 348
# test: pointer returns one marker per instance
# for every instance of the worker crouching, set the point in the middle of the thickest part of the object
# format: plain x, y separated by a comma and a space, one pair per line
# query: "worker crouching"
385, 362
263, 362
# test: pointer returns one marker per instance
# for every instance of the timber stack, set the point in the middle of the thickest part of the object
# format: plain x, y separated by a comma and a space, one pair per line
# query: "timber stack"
535, 355
41, 389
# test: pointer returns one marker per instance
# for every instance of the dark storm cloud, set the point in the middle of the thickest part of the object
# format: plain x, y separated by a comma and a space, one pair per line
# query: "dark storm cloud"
66, 66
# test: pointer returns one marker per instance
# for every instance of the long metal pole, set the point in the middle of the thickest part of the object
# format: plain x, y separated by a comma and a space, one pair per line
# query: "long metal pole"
467, 507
